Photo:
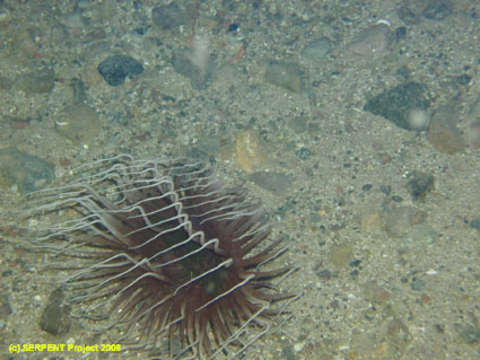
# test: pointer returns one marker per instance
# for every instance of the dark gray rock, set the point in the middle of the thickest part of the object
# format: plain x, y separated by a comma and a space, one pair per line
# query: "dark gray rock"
115, 69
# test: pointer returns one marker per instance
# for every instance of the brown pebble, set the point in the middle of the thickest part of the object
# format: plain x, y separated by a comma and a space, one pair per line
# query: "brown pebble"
371, 222
248, 151
426, 299
376, 293
443, 133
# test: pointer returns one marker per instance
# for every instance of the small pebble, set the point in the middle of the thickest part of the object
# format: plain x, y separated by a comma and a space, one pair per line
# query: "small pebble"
417, 284
367, 187
420, 184
299, 346
303, 153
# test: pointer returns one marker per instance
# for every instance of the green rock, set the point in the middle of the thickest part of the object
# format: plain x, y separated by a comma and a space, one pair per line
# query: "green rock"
37, 82
395, 104
56, 316
286, 75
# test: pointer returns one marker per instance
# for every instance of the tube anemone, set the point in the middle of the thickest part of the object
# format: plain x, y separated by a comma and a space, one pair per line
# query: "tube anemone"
172, 254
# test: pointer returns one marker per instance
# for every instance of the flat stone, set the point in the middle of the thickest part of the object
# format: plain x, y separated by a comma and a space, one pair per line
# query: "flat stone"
168, 17
79, 123
37, 82
286, 75
272, 181
443, 133
437, 9
55, 318
183, 64
317, 49
249, 152
399, 220
29, 173
372, 40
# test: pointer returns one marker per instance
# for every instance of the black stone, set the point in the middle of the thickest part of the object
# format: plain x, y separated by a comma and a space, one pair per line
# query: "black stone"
233, 28
116, 68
